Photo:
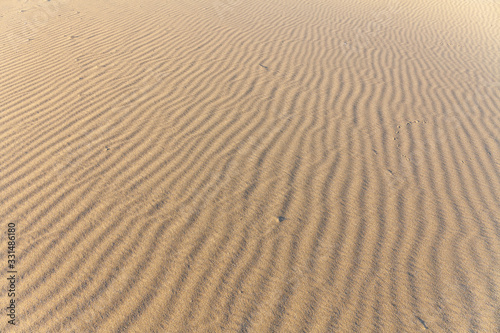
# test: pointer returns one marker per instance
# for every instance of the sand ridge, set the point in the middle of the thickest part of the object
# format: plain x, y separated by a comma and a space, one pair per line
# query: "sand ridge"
266, 166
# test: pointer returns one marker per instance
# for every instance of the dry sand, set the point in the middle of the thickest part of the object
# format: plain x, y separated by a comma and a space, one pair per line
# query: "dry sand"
251, 166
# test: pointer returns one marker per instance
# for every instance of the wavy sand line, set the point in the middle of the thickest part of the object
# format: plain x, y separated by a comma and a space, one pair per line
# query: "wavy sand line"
236, 166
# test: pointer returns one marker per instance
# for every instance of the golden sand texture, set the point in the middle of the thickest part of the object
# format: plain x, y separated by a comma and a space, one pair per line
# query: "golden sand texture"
251, 166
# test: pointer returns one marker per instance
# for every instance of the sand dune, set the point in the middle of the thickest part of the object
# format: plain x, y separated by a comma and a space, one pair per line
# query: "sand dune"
251, 166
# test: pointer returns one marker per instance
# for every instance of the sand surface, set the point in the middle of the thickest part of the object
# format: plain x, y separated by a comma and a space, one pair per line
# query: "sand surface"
251, 166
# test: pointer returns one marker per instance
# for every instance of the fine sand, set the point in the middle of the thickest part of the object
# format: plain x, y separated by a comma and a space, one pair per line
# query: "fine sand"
251, 166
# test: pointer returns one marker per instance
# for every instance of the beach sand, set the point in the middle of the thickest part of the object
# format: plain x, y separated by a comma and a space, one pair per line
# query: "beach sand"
251, 166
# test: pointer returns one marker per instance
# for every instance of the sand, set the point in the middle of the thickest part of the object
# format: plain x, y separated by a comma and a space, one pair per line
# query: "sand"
251, 166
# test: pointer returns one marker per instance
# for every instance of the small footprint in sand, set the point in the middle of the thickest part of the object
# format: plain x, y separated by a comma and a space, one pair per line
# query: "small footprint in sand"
408, 124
